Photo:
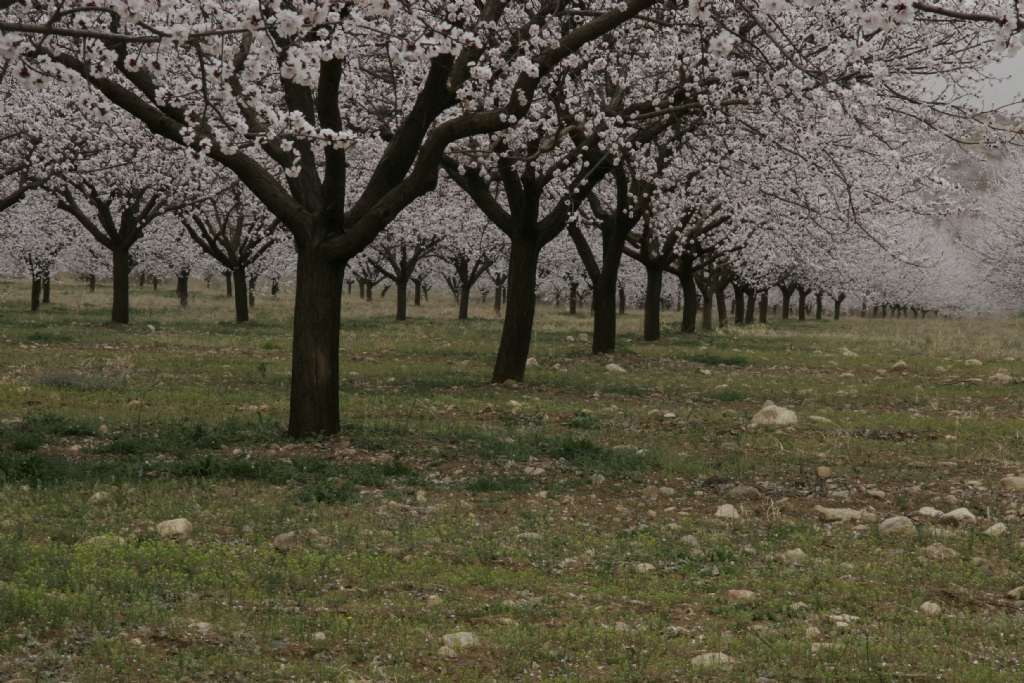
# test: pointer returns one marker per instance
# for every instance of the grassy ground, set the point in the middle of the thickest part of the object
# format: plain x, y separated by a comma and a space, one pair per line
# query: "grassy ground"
429, 517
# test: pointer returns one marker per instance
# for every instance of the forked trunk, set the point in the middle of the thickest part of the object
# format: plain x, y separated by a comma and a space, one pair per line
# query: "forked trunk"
464, 293
122, 282
314, 390
514, 349
241, 297
652, 305
37, 288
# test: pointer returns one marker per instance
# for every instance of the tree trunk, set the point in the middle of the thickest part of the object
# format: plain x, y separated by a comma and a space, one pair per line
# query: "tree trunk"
723, 310
707, 308
622, 301
314, 389
417, 292
37, 288
689, 295
838, 306
241, 298
142, 279
573, 295
369, 292
604, 312
737, 293
802, 304
403, 299
516, 333
762, 316
122, 273
885, 309
498, 291
227, 276
362, 289
182, 290
251, 289
464, 292
817, 305
46, 288
92, 282
155, 282
751, 300
787, 296
652, 305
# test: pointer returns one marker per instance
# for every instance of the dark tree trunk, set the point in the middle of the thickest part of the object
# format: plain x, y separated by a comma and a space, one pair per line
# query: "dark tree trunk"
314, 389
573, 296
483, 296
241, 297
707, 309
622, 301
464, 293
652, 308
839, 304
142, 279
362, 289
275, 287
737, 292
604, 312
403, 299
787, 295
182, 290
498, 292
723, 311
817, 305
689, 295
122, 273
227, 277
763, 309
155, 282
251, 289
802, 304
417, 292
369, 292
384, 290
46, 288
37, 288
751, 301
92, 282
885, 309
514, 348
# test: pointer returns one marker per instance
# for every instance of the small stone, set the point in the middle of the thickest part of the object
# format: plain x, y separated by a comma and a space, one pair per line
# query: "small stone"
462, 639
824, 472
794, 557
650, 492
727, 512
847, 352
939, 552
959, 516
487, 409
930, 512
613, 368
773, 415
320, 636
622, 627
931, 609
797, 606
421, 496
644, 567
876, 493
202, 628
819, 419
570, 338
597, 479
102, 430
666, 491
997, 529
1015, 593
583, 337
99, 497
837, 514
740, 595
447, 652
1012, 483
532, 362
434, 600
813, 632
1001, 378
743, 492
847, 375
712, 659
972, 361
533, 471
651, 514
897, 526
898, 365
175, 529
286, 541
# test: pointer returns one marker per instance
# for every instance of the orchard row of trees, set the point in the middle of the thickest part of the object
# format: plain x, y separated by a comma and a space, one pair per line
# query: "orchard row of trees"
729, 144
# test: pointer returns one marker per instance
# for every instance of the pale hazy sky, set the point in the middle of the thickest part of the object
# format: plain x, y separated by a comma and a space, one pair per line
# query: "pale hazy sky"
1006, 91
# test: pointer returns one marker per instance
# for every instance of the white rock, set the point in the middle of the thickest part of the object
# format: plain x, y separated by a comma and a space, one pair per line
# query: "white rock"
532, 362
819, 419
570, 339
1001, 378
847, 352
421, 496
773, 415
462, 639
666, 490
837, 514
898, 365
939, 552
320, 636
972, 361
931, 609
644, 567
930, 512
1012, 483
740, 595
99, 497
795, 556
1015, 593
897, 526
876, 493
997, 529
447, 652
824, 472
434, 600
710, 659
285, 541
174, 529
959, 516
727, 512
613, 368
847, 375
583, 337
597, 479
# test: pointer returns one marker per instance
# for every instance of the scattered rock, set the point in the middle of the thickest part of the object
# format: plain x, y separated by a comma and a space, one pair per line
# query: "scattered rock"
939, 552
997, 529
447, 652
794, 557
613, 368
819, 419
434, 600
727, 512
743, 492
972, 361
898, 365
1016, 593
644, 567
740, 595
897, 526
319, 636
931, 609
837, 514
583, 337
533, 471
824, 472
847, 352
487, 409
99, 497
1001, 378
666, 490
102, 430
532, 362
395, 506
1012, 483
813, 631
530, 536
174, 529
847, 375
930, 512
959, 516
286, 541
876, 493
462, 639
421, 496
597, 479
711, 659
772, 414
650, 491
